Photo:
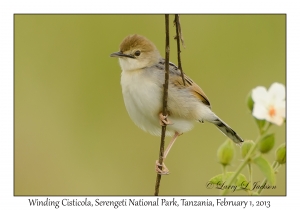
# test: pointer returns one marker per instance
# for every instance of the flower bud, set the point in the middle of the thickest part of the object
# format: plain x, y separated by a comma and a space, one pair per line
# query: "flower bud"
249, 101
246, 146
226, 152
281, 154
266, 143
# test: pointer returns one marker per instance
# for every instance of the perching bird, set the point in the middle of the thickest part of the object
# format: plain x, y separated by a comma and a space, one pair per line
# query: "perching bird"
142, 79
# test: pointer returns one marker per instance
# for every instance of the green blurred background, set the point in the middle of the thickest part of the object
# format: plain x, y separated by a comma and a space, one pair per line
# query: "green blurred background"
73, 135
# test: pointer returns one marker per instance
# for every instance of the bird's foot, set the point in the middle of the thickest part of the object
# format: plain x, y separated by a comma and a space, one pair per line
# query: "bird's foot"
163, 171
164, 120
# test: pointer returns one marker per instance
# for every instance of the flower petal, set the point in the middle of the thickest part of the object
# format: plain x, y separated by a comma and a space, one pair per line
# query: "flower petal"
277, 119
259, 95
260, 111
280, 109
277, 92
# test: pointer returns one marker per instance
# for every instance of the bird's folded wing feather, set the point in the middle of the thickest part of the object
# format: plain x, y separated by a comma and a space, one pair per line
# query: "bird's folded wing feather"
175, 75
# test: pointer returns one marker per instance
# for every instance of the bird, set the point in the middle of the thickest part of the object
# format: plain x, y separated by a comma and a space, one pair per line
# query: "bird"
142, 79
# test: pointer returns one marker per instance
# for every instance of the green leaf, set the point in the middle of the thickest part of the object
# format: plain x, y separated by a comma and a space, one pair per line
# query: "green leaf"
220, 178
265, 168
241, 181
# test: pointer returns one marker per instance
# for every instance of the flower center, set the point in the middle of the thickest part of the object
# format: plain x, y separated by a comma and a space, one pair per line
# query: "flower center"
272, 111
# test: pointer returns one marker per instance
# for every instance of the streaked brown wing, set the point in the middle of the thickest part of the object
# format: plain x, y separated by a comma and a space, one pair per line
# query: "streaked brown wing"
177, 79
196, 90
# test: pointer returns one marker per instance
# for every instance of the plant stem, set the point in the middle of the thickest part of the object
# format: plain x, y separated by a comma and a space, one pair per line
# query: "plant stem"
263, 131
242, 165
250, 176
224, 172
178, 38
165, 100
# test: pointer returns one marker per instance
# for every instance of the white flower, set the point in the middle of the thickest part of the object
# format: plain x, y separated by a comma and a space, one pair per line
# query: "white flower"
269, 105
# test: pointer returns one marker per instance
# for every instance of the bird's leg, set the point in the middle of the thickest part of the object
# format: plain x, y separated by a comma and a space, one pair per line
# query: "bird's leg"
164, 120
165, 170
171, 144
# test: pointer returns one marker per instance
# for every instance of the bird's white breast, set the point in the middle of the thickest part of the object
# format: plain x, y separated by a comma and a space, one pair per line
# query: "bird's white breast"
142, 99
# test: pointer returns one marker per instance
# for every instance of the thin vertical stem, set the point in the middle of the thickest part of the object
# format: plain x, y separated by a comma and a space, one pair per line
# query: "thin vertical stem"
250, 176
165, 100
224, 173
178, 38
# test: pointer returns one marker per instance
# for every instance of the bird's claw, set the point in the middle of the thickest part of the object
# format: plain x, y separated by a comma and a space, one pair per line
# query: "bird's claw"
164, 120
163, 171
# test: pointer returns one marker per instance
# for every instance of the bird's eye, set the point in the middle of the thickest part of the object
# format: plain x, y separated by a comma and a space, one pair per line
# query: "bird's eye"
137, 53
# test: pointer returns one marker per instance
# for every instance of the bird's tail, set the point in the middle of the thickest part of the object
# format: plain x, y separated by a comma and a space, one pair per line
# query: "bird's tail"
222, 126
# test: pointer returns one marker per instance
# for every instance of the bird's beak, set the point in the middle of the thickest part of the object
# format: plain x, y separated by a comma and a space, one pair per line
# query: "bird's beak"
120, 54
